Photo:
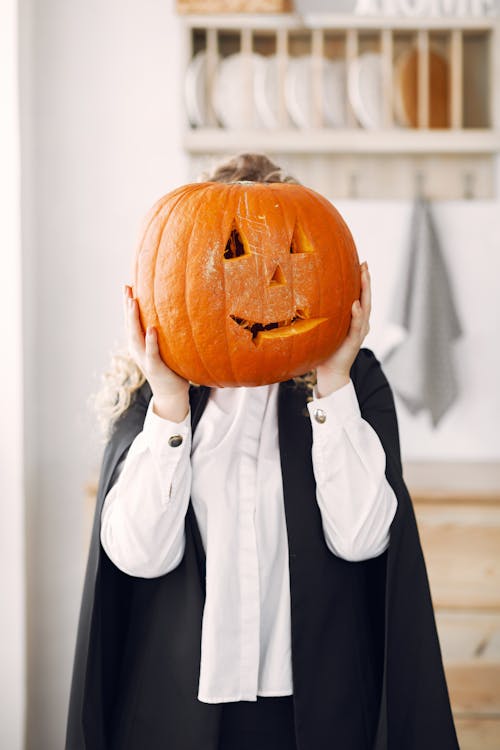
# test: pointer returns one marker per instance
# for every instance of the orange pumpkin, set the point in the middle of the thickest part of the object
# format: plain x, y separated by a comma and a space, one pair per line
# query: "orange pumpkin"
246, 283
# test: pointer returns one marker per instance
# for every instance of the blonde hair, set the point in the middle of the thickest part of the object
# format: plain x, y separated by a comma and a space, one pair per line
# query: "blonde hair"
118, 384
123, 376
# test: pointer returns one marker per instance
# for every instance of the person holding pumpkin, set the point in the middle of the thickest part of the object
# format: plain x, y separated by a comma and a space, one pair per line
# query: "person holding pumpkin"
252, 566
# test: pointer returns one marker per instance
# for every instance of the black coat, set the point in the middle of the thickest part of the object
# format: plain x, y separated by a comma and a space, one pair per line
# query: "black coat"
366, 661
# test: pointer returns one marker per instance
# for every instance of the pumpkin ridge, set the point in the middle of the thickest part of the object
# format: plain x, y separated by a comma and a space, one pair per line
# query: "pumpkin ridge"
181, 194
342, 237
157, 208
341, 260
227, 302
195, 345
341, 244
161, 205
289, 240
165, 339
311, 197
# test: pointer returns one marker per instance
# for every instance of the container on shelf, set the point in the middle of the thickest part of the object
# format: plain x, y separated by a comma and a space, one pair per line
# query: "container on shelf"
234, 6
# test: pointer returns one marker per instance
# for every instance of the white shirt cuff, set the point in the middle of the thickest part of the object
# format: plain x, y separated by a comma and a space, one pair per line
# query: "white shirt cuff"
159, 431
337, 408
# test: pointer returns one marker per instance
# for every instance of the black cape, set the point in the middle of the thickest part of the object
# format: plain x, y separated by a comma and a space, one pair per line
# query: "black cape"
366, 660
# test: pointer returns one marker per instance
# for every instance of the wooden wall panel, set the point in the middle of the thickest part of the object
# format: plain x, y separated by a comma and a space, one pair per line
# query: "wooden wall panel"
460, 534
470, 643
462, 552
478, 734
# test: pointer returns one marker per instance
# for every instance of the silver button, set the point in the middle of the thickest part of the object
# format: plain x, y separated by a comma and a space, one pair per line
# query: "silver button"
175, 440
319, 415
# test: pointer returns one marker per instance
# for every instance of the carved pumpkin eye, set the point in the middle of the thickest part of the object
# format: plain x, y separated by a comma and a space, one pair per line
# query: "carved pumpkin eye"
295, 248
299, 243
234, 246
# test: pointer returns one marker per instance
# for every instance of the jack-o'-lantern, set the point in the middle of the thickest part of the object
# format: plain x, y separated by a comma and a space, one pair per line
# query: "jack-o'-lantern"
246, 283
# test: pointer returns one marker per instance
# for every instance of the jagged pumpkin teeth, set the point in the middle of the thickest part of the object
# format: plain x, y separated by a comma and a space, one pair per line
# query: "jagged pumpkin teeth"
210, 250
297, 327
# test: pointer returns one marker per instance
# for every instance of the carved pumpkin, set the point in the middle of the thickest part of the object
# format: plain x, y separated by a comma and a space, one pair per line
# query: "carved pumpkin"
246, 283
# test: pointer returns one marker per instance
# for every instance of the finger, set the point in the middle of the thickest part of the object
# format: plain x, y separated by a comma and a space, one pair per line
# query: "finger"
359, 325
366, 292
361, 313
152, 350
354, 328
357, 316
125, 296
367, 302
136, 334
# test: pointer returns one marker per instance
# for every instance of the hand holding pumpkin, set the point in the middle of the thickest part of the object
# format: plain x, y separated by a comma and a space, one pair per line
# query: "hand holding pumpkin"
170, 391
335, 371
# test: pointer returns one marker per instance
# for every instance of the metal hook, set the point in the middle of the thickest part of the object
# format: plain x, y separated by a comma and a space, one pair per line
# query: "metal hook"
469, 179
419, 184
353, 185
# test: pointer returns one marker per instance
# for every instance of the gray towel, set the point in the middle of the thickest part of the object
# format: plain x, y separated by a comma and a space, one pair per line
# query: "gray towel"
420, 368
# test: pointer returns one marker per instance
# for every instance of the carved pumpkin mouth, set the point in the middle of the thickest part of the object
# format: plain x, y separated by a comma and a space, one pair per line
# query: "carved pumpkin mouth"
300, 323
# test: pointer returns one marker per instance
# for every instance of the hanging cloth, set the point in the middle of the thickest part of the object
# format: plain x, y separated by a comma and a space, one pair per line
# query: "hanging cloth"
420, 367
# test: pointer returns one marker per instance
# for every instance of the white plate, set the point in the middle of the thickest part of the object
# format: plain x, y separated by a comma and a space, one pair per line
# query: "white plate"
195, 91
233, 91
299, 91
267, 91
335, 88
365, 89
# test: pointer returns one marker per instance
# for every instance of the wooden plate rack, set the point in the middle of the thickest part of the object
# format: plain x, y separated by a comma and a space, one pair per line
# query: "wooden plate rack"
454, 162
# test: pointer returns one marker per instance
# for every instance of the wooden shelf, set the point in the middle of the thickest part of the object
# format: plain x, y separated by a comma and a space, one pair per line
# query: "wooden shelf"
355, 141
274, 21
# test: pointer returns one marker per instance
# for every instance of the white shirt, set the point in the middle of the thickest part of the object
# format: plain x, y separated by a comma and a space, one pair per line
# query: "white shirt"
231, 470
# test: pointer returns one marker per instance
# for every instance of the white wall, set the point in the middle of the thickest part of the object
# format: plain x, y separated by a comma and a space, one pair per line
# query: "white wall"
101, 141
470, 237
12, 537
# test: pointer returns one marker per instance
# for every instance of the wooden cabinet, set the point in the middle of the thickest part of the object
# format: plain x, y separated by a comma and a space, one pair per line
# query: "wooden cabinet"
459, 528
